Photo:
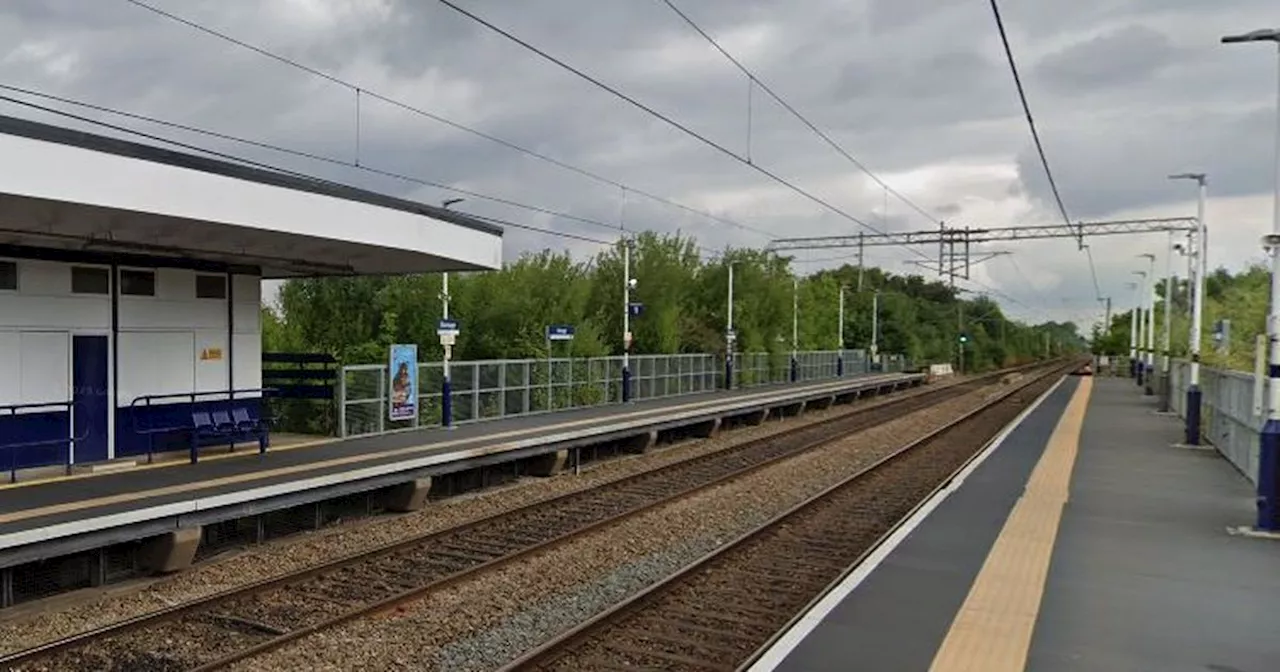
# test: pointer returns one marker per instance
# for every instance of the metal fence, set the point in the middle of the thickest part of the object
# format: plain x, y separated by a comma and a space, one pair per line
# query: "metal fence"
1230, 415
491, 389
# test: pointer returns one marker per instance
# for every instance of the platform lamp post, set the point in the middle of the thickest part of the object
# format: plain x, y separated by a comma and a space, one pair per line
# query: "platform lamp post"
875, 326
730, 337
840, 335
1133, 328
795, 329
1197, 264
1269, 443
1166, 386
446, 382
628, 284
1138, 329
1149, 354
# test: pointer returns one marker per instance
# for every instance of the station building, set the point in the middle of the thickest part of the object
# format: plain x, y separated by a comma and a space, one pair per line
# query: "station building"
130, 282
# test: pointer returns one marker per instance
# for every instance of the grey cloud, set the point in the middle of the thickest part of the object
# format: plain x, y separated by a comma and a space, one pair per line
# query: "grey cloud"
902, 84
1120, 163
1123, 56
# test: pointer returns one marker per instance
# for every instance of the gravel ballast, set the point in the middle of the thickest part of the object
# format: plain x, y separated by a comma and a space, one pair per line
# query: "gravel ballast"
483, 622
30, 625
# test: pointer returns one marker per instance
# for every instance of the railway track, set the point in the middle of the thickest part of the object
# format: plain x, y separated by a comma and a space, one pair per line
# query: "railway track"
227, 627
726, 609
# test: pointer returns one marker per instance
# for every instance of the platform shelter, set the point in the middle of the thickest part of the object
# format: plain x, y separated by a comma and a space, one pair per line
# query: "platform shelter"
130, 284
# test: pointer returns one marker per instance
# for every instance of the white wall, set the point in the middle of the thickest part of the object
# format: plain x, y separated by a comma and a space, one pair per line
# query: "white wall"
161, 338
247, 304
36, 324
45, 364
44, 301
175, 343
36, 368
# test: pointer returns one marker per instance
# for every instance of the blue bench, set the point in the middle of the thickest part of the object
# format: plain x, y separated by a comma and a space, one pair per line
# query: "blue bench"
206, 420
230, 426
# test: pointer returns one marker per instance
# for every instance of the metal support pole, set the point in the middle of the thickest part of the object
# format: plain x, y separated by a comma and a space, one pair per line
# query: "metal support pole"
795, 329
840, 335
1165, 336
1192, 273
1148, 357
875, 327
861, 236
1200, 255
626, 321
729, 337
446, 385
1269, 446
1133, 332
1142, 322
1268, 498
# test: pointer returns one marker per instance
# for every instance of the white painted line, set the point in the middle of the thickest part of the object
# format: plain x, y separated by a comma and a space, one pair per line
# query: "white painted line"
807, 623
24, 537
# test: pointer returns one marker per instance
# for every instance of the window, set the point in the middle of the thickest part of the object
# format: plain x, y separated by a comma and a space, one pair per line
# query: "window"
86, 280
9, 276
137, 283
211, 286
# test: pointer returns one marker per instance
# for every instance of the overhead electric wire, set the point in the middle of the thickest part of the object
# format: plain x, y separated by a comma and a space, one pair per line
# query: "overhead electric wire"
1093, 271
1035, 136
1026, 109
273, 168
661, 117
362, 91
796, 113
307, 155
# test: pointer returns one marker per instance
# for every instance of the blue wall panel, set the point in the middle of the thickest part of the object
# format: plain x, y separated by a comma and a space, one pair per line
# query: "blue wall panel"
133, 425
29, 428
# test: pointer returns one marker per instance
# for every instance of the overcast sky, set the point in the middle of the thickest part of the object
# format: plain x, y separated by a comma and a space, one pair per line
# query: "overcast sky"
1124, 92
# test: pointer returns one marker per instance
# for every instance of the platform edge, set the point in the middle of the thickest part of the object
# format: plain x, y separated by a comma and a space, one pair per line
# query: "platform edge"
803, 625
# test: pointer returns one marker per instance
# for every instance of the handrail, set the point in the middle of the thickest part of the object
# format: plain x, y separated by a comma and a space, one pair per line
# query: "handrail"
70, 440
151, 432
192, 396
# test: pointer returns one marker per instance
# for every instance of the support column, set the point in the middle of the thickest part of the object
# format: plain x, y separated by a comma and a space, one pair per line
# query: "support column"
641, 443
410, 496
707, 430
170, 552
548, 464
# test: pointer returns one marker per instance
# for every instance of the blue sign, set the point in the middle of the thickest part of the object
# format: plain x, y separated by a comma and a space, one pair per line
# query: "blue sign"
560, 332
447, 327
635, 309
403, 393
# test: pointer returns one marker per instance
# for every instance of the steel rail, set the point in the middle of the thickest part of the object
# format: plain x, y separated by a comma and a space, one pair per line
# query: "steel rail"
88, 638
553, 650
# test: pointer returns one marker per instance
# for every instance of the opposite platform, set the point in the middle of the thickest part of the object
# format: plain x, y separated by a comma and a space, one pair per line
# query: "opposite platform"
88, 512
1084, 541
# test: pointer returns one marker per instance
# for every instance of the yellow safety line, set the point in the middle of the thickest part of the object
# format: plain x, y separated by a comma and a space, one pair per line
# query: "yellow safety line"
993, 628
320, 442
179, 462
354, 459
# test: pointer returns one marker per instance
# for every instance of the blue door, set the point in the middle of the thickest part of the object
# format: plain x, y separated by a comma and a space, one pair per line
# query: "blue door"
89, 392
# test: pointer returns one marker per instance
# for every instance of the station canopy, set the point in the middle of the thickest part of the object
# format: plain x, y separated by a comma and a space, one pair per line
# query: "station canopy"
63, 189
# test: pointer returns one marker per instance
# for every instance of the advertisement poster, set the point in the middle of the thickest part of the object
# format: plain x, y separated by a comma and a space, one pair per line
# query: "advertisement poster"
404, 382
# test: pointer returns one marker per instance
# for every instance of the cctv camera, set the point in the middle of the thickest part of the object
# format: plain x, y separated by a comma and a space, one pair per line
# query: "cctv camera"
1177, 247
1270, 241
631, 283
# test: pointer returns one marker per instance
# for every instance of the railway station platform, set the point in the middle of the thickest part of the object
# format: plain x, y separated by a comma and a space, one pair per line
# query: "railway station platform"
1083, 539
169, 502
